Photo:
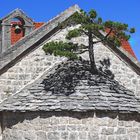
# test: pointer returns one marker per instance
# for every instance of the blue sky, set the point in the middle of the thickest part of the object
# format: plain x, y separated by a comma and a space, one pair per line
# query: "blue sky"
127, 11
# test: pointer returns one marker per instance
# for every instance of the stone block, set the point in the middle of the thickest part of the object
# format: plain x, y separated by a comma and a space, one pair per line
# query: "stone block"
41, 135
64, 135
53, 136
73, 136
133, 137
74, 121
29, 135
61, 127
121, 131
111, 138
83, 135
107, 131
92, 136
82, 127
71, 127
122, 137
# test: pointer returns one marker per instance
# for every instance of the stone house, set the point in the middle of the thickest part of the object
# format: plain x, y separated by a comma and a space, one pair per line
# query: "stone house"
95, 107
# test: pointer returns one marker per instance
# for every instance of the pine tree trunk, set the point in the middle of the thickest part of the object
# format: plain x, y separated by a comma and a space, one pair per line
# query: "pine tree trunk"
91, 54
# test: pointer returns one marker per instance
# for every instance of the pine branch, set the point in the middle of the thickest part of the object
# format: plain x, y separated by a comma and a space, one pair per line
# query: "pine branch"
108, 34
95, 42
86, 33
82, 52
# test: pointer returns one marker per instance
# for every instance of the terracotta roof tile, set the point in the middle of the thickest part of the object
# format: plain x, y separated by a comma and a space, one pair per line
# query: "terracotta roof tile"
125, 45
38, 24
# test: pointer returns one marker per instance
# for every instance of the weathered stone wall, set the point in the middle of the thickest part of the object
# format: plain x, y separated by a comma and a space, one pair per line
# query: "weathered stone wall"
0, 127
121, 71
35, 63
26, 70
70, 126
119, 68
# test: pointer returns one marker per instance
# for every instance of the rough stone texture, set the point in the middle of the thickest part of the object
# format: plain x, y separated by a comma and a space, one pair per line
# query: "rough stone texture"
121, 70
72, 87
10, 81
26, 70
1, 127
67, 125
108, 60
33, 64
36, 37
70, 126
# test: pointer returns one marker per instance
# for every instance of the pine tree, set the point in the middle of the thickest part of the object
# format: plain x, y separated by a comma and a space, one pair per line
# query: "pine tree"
90, 25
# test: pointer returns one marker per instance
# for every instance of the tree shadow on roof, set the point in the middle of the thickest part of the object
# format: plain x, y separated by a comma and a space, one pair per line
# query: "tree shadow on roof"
104, 68
70, 74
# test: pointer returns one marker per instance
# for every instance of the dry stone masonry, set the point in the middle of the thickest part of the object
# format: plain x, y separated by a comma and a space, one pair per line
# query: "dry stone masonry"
70, 126
123, 73
36, 62
73, 87
25, 71
44, 97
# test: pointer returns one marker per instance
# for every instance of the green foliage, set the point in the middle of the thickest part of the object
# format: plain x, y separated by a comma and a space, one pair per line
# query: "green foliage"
73, 33
132, 30
90, 22
119, 31
90, 25
61, 49
92, 14
100, 20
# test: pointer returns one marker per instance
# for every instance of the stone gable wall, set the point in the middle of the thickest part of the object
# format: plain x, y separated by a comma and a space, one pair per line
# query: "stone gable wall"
70, 126
118, 67
0, 128
121, 71
35, 63
26, 70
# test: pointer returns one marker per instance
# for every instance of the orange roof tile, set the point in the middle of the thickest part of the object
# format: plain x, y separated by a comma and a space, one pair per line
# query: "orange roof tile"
38, 24
126, 46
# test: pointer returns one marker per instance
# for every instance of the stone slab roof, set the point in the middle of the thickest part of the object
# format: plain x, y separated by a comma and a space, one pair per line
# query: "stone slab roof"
72, 87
